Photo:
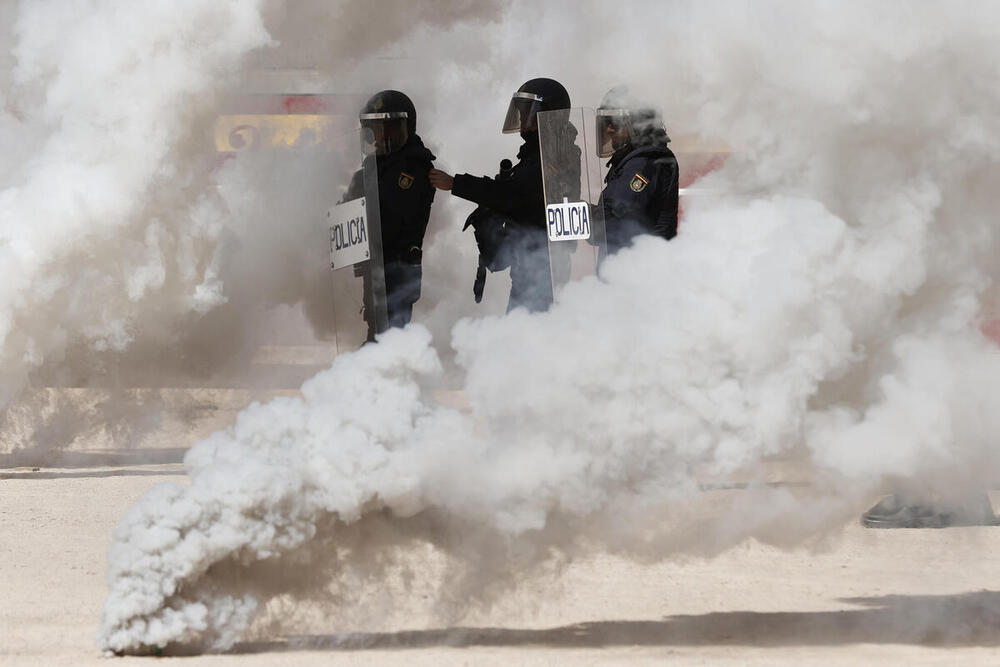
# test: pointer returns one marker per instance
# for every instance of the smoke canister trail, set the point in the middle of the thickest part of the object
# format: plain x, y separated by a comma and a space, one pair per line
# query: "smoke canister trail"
572, 452
581, 437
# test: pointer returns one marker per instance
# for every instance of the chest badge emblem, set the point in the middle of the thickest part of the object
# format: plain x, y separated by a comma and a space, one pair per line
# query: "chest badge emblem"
405, 180
638, 183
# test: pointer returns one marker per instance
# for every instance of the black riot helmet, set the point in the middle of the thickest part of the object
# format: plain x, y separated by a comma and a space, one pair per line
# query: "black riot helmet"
622, 119
388, 120
534, 96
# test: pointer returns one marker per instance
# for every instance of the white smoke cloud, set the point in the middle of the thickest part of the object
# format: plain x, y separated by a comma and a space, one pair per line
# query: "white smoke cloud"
829, 303
101, 195
131, 254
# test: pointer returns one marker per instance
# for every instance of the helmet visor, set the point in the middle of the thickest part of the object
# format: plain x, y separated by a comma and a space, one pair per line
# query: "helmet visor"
383, 133
521, 114
612, 131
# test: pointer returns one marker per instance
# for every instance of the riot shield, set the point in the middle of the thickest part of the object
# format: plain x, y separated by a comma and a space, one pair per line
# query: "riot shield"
359, 301
573, 177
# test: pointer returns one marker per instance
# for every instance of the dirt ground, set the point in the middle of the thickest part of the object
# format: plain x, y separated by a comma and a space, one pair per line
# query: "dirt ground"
867, 597
920, 597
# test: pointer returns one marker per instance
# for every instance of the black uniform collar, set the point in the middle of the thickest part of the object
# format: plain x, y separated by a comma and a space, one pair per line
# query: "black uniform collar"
628, 151
530, 145
413, 148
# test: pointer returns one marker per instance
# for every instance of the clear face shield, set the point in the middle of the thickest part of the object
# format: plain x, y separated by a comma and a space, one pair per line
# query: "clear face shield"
383, 133
612, 131
521, 114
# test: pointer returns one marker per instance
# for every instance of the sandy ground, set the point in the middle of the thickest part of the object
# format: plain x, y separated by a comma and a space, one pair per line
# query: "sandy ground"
865, 597
921, 597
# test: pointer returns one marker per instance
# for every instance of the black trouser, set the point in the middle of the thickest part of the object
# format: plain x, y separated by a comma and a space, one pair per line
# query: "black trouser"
402, 290
530, 273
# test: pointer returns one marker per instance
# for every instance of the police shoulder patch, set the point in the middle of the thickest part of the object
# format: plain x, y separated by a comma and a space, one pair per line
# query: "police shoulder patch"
638, 183
405, 180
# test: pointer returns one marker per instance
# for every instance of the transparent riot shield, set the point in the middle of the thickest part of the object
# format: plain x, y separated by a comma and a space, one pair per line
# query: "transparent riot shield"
359, 301
573, 177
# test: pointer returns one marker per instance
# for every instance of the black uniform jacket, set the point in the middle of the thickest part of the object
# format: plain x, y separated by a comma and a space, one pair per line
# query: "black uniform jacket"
518, 196
640, 195
405, 197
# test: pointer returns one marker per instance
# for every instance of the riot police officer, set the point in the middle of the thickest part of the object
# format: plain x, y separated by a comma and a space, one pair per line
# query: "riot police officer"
513, 203
405, 197
641, 188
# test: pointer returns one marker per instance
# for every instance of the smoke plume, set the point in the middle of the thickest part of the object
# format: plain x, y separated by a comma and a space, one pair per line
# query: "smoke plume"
133, 255
826, 302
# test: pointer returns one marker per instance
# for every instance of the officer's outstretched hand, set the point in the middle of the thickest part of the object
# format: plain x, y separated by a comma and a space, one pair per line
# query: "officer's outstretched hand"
440, 180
